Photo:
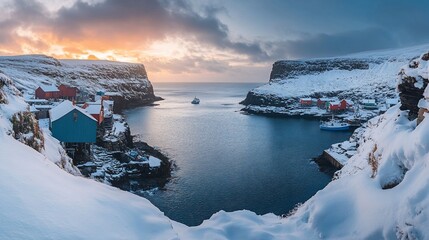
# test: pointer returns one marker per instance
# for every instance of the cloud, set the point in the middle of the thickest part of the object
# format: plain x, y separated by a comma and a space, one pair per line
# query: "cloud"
135, 23
128, 29
323, 45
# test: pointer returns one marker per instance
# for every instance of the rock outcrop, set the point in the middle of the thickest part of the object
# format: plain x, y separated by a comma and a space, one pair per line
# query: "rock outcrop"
413, 80
291, 68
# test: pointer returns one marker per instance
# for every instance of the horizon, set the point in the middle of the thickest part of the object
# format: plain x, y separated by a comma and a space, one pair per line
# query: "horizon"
208, 41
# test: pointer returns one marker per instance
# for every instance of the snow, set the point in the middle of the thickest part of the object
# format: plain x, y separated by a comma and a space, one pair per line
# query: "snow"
93, 109
36, 101
368, 101
42, 201
119, 127
392, 101
377, 82
154, 162
49, 88
423, 104
64, 108
33, 109
31, 71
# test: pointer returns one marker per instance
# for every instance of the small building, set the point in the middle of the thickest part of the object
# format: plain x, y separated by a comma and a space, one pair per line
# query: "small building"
37, 101
67, 92
47, 92
95, 109
71, 124
340, 105
369, 104
323, 103
42, 110
306, 102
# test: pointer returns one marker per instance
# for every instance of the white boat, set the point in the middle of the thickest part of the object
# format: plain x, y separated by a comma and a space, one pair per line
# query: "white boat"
196, 101
334, 125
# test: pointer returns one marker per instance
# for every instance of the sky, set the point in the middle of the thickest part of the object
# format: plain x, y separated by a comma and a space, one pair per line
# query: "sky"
202, 40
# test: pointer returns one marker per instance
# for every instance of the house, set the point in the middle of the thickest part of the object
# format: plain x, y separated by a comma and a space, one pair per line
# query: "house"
67, 92
71, 124
323, 102
47, 92
340, 105
306, 102
369, 104
95, 109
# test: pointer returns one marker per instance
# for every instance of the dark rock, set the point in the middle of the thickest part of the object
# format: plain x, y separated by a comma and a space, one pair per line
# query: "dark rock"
410, 96
290, 68
425, 57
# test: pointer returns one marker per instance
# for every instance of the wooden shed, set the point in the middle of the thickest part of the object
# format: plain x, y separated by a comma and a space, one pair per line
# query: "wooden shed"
67, 92
47, 92
71, 124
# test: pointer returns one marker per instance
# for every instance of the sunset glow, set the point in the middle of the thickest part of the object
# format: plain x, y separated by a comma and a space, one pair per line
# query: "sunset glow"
189, 39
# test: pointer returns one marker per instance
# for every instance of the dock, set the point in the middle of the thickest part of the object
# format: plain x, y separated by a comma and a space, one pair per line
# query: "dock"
332, 160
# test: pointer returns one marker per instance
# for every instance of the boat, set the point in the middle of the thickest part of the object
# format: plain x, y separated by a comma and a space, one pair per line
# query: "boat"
334, 125
196, 101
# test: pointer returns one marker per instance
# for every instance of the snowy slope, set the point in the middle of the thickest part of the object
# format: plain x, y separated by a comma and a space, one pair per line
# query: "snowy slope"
39, 200
30, 71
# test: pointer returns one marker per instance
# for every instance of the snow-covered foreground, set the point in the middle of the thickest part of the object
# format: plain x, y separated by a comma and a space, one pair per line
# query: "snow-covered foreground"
381, 193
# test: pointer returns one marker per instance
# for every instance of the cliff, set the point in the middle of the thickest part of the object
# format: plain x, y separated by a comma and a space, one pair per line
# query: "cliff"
129, 79
358, 76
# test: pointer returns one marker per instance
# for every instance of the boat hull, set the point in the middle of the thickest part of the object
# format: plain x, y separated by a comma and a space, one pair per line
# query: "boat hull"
334, 128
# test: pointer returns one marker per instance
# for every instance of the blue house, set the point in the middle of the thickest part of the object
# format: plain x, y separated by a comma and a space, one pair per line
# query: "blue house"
71, 124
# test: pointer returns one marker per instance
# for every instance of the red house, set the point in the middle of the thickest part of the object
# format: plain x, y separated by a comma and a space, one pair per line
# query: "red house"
68, 92
321, 102
47, 92
305, 101
340, 106
95, 109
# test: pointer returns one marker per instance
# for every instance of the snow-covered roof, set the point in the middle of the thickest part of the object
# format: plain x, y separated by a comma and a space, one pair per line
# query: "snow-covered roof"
65, 107
98, 102
305, 99
49, 88
93, 109
43, 106
36, 100
108, 102
368, 101
113, 94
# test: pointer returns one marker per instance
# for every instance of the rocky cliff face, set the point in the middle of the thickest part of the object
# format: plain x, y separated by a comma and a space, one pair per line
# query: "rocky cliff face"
413, 80
290, 69
129, 79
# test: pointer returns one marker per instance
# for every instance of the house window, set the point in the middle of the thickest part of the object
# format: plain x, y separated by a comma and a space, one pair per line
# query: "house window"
75, 116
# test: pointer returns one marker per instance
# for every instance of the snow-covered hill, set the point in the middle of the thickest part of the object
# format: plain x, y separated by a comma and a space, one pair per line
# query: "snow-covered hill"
30, 71
357, 76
